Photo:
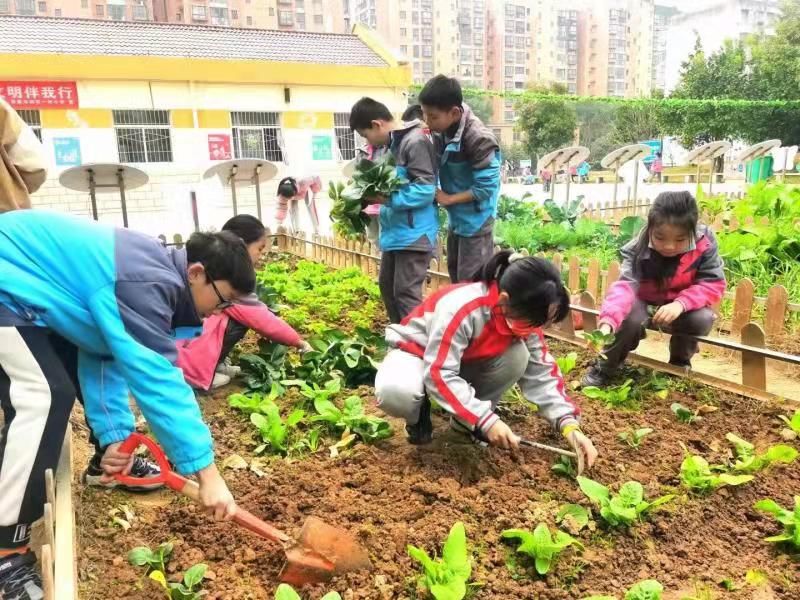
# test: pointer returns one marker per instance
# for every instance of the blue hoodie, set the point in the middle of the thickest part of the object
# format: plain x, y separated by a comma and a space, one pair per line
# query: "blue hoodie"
116, 294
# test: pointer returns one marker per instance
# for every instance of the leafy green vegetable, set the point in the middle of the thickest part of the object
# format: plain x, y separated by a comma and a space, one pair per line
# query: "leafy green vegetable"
564, 467
634, 437
596, 341
353, 418
624, 508
649, 589
273, 429
370, 179
286, 592
255, 402
265, 369
446, 578
793, 423
629, 228
313, 391
564, 214
790, 519
356, 358
614, 396
685, 415
188, 589
573, 516
540, 546
697, 476
566, 364
154, 560
748, 461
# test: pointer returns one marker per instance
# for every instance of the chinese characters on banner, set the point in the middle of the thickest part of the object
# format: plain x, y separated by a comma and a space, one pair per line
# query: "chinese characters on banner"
219, 146
40, 94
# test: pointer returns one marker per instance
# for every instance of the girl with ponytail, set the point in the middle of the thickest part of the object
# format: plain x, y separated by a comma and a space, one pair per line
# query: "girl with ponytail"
290, 192
468, 343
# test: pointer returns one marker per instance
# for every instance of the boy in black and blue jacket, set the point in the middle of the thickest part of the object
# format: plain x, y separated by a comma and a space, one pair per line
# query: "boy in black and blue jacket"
408, 220
469, 175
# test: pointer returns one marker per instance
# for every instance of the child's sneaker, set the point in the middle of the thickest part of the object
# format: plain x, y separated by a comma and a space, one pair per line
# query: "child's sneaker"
421, 432
141, 468
229, 370
220, 380
595, 377
19, 579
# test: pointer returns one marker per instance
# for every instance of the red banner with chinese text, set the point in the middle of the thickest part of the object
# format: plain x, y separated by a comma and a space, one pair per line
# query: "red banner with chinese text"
40, 94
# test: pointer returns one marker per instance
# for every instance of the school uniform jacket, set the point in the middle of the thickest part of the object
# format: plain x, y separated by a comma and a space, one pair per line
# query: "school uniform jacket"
461, 323
117, 295
698, 281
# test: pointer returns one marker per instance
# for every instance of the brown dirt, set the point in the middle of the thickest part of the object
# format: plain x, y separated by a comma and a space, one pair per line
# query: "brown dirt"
393, 494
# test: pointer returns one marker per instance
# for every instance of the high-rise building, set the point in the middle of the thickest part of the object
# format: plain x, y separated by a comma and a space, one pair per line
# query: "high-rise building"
661, 21
714, 21
116, 10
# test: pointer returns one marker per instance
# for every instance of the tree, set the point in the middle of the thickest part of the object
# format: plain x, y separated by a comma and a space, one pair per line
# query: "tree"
595, 125
548, 124
481, 105
514, 153
633, 123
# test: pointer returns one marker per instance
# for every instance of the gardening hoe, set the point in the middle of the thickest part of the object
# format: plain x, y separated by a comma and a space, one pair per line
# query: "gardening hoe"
320, 552
548, 448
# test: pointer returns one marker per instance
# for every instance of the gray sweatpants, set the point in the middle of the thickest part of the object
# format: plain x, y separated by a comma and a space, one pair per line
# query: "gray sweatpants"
465, 255
681, 347
400, 280
400, 381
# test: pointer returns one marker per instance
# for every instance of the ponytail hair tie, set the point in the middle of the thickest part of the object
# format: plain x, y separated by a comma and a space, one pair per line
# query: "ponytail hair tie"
515, 256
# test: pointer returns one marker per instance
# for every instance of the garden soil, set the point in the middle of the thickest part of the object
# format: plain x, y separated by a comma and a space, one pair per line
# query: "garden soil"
394, 494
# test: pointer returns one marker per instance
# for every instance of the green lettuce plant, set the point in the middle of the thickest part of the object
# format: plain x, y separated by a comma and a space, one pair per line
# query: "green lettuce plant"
649, 589
186, 589
287, 592
747, 460
624, 508
540, 546
635, 437
792, 423
446, 578
790, 519
614, 396
566, 363
351, 417
697, 476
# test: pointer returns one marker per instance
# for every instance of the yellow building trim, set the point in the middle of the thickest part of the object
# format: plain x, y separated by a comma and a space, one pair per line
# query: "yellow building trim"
182, 118
307, 120
159, 68
214, 119
95, 118
374, 42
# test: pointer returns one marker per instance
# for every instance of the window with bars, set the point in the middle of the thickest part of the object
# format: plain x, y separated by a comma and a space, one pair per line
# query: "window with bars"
219, 16
235, 14
257, 135
116, 12
143, 136
34, 120
285, 18
26, 7
99, 11
42, 7
347, 139
140, 12
58, 12
199, 13
4, 7
301, 20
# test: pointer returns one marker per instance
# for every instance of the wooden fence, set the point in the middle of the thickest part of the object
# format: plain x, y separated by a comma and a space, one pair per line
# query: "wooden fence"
752, 337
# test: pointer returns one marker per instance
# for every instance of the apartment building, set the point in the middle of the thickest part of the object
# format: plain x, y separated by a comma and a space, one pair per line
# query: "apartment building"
320, 16
662, 16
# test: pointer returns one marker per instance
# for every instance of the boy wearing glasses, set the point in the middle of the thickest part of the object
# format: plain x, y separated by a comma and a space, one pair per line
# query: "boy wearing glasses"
112, 296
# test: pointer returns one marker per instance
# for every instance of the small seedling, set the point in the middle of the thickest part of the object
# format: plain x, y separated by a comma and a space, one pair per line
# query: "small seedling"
352, 417
154, 560
566, 364
596, 341
572, 517
614, 396
794, 423
697, 476
790, 519
649, 589
273, 429
446, 578
188, 588
685, 415
635, 437
748, 461
564, 467
540, 545
624, 508
286, 592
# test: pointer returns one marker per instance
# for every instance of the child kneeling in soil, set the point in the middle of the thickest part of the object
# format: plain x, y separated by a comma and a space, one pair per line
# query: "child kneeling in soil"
115, 294
202, 358
467, 344
672, 271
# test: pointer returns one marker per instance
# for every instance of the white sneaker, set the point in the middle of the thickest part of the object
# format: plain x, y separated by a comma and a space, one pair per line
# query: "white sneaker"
220, 379
229, 370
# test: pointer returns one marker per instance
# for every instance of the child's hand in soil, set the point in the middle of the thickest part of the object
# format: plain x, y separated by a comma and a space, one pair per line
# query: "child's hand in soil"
500, 435
115, 462
584, 448
667, 313
215, 496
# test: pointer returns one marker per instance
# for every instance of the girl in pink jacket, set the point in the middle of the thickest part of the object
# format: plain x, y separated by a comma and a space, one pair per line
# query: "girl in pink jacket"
202, 358
291, 192
671, 276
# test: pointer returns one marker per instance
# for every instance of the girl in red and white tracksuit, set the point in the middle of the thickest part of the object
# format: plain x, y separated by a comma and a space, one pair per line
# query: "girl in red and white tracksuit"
467, 344
292, 191
673, 272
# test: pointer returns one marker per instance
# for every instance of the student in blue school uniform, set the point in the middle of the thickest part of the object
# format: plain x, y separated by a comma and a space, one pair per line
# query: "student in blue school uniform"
469, 175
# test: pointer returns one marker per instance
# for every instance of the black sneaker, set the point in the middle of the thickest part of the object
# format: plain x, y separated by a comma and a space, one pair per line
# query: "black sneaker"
595, 377
19, 579
421, 432
681, 364
141, 468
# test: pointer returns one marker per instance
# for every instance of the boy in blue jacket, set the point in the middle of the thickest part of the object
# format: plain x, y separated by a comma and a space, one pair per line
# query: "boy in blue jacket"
469, 176
408, 219
115, 294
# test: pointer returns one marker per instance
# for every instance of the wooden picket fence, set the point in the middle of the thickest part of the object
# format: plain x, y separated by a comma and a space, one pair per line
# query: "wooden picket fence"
747, 338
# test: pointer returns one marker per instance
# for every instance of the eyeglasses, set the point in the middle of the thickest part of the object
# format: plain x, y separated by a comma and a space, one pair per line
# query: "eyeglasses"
223, 303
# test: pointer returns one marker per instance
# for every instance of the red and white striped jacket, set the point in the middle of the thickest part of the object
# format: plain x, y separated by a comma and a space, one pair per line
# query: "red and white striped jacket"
461, 323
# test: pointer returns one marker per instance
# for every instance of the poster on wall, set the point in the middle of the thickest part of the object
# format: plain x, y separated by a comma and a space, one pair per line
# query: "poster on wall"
219, 146
67, 151
321, 148
40, 94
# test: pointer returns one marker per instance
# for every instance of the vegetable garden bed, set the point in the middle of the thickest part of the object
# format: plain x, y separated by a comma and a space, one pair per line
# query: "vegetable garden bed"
391, 494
